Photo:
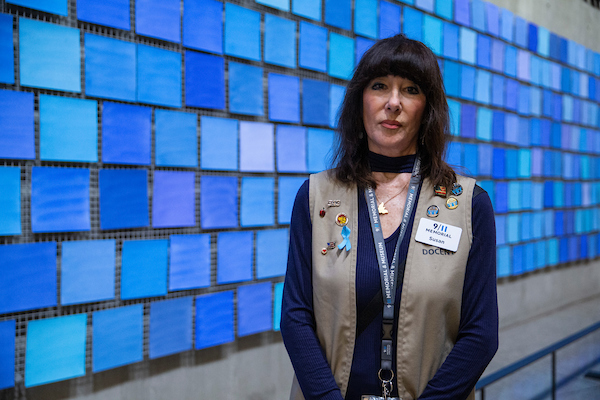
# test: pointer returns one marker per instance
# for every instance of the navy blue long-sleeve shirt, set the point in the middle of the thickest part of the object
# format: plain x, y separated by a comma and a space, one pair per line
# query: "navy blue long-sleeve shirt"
477, 339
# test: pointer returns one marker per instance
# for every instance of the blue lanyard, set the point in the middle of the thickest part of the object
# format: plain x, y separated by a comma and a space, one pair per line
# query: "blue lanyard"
389, 273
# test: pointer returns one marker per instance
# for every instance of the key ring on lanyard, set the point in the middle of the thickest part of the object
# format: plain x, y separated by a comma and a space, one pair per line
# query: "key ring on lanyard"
386, 384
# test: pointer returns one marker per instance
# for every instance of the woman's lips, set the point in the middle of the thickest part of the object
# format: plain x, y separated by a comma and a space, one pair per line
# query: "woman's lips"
390, 124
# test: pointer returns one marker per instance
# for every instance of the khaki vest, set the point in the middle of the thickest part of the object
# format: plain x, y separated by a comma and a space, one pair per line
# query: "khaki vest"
430, 306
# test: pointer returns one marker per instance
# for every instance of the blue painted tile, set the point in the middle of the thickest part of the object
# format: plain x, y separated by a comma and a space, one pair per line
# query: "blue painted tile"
412, 24
389, 19
338, 13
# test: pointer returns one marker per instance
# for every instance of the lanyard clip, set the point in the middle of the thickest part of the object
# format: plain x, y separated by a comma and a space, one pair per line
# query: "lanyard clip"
387, 330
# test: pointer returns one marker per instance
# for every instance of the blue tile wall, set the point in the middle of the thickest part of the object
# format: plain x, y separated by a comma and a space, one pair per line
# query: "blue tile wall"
169, 142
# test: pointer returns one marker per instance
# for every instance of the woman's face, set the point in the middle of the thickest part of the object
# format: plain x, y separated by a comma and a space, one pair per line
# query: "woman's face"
392, 112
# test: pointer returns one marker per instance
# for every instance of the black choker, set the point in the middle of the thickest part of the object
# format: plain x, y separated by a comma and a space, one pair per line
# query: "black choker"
380, 163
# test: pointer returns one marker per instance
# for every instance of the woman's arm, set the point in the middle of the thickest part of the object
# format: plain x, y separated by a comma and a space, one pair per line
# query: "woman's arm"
297, 318
477, 339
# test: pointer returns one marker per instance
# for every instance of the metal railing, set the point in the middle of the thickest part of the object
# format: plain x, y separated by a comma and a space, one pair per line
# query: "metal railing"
550, 350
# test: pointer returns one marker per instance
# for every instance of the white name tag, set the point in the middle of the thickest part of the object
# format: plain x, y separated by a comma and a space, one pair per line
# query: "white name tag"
438, 234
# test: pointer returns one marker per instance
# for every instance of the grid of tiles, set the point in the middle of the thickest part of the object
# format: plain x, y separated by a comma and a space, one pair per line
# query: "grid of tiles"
150, 151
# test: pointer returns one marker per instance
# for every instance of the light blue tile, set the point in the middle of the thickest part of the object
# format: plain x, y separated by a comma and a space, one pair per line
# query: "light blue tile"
445, 9
257, 147
175, 138
144, 268
307, 8
59, 7
10, 201
68, 129
484, 123
257, 201
468, 45
59, 342
365, 18
341, 56
49, 56
283, 5
242, 32
118, 336
507, 25
432, 34
87, 271
280, 41
483, 86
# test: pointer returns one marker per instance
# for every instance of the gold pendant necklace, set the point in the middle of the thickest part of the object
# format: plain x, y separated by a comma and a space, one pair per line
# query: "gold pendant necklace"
381, 207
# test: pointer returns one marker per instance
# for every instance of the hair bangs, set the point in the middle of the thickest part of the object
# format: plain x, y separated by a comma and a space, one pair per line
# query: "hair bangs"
405, 60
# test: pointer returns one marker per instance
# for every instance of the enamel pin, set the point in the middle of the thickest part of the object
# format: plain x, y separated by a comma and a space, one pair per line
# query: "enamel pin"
323, 251
341, 219
333, 203
346, 236
322, 212
451, 203
433, 211
457, 189
440, 190
331, 245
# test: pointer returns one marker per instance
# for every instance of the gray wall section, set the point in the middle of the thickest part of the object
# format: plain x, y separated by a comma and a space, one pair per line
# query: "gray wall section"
573, 19
544, 291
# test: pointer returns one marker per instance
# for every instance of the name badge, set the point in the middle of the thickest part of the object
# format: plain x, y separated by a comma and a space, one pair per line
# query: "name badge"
438, 234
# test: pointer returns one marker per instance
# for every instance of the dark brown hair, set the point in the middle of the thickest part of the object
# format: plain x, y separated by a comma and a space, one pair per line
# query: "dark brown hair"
408, 59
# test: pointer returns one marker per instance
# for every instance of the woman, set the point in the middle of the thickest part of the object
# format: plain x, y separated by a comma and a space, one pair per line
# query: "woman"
391, 192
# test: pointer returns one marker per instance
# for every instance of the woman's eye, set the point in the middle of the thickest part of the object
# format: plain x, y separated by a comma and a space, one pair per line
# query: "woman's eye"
377, 86
413, 90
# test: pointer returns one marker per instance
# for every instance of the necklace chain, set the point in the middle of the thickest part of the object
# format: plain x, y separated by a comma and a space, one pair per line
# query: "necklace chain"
381, 207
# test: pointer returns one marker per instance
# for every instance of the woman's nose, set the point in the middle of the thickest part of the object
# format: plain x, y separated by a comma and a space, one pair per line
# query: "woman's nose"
393, 103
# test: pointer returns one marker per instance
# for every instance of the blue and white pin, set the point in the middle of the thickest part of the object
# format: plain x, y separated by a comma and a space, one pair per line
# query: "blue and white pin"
433, 211
457, 189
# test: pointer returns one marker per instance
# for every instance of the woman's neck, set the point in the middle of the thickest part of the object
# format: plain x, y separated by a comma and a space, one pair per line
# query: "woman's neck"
391, 165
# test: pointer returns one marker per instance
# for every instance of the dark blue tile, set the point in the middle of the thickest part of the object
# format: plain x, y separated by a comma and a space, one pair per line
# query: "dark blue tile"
565, 79
574, 251
583, 250
462, 13
498, 90
468, 120
554, 47
533, 38
548, 194
484, 44
556, 106
536, 132
525, 132
564, 50
548, 159
563, 256
511, 97
501, 205
498, 127
547, 103
517, 260
546, 129
568, 194
498, 171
